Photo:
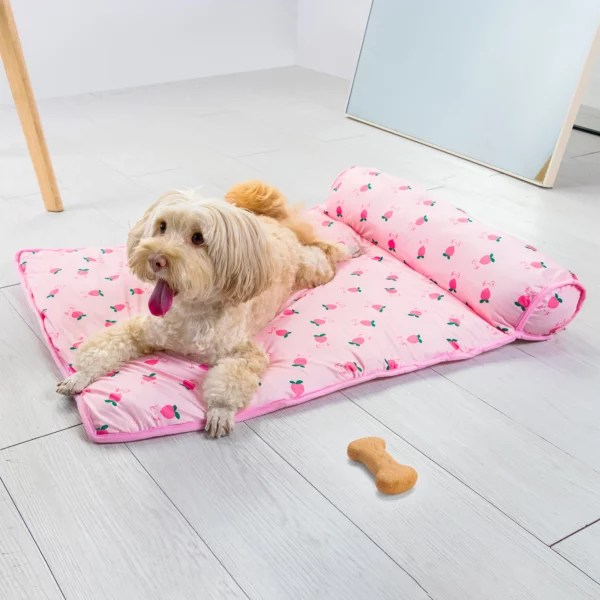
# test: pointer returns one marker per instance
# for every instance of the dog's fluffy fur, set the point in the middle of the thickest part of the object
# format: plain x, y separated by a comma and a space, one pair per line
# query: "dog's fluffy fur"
256, 252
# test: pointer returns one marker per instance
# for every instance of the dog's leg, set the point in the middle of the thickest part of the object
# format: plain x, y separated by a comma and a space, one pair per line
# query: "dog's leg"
317, 263
231, 384
106, 352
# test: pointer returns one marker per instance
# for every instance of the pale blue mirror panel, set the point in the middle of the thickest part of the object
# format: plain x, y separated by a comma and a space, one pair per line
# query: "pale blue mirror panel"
492, 81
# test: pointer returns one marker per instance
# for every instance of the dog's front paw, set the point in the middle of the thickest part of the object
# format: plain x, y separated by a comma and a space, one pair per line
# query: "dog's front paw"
73, 385
220, 421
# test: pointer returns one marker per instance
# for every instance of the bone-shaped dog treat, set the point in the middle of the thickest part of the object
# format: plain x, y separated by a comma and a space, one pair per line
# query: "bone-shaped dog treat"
390, 476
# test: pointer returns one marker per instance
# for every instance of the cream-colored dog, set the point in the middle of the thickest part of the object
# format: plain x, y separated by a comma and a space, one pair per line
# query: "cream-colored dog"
223, 269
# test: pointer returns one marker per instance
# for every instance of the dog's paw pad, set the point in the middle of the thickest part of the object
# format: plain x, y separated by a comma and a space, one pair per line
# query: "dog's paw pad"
72, 385
220, 421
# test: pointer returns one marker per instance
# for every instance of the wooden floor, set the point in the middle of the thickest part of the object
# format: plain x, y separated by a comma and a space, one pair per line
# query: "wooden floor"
507, 445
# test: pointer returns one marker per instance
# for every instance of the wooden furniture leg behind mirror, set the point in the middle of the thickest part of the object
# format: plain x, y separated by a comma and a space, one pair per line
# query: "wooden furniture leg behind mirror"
20, 85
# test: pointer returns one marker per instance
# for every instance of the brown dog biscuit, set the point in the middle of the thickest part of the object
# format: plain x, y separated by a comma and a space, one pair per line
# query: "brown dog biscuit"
390, 476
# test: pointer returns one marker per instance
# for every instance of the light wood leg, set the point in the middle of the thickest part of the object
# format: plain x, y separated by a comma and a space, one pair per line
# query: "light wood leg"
18, 79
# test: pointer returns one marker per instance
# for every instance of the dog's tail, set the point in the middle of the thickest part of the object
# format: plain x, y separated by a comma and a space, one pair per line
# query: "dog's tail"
263, 199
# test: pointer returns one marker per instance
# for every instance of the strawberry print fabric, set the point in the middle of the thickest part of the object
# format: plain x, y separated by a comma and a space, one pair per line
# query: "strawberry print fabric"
504, 280
418, 295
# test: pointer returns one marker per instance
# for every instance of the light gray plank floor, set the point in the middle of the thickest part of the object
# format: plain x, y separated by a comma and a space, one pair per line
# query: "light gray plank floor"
29, 407
26, 226
24, 575
507, 444
561, 408
433, 531
15, 295
535, 483
105, 527
583, 550
276, 535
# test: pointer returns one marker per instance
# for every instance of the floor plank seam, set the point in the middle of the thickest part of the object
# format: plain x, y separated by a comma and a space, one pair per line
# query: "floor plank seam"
519, 424
108, 215
475, 491
342, 139
34, 195
33, 538
39, 437
522, 348
338, 509
187, 521
36, 333
596, 581
575, 532
441, 467
132, 177
238, 156
243, 164
35, 330
586, 154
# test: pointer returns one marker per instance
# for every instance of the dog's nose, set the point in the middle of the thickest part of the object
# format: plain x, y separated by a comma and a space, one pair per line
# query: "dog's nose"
157, 262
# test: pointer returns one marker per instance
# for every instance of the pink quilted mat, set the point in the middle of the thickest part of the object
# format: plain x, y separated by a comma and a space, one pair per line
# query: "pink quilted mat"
433, 285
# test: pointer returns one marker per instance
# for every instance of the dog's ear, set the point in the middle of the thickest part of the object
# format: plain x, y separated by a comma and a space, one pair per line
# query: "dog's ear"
241, 256
138, 231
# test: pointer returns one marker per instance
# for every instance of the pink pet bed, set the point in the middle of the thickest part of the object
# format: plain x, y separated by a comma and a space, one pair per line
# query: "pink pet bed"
433, 285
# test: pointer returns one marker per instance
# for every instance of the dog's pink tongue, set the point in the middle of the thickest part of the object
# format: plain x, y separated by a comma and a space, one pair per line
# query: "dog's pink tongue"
161, 299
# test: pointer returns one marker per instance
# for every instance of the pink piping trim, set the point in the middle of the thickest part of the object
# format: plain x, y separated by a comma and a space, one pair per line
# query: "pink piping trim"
283, 403
258, 411
520, 328
340, 174
62, 366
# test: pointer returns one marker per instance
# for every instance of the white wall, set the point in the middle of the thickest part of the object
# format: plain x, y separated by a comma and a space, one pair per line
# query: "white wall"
591, 97
330, 34
77, 46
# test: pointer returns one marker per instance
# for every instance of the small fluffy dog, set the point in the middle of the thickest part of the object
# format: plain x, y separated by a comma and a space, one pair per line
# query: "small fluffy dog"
223, 269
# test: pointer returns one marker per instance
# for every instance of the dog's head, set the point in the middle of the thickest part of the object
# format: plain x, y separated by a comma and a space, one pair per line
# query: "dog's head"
199, 250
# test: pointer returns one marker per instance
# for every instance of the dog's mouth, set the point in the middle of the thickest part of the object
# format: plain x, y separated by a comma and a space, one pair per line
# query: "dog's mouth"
161, 299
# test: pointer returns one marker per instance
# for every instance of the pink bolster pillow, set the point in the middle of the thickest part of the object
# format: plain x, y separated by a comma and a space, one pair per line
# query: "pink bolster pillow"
504, 280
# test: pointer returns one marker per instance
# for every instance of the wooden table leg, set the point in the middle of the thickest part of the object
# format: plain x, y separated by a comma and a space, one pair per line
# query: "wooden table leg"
18, 79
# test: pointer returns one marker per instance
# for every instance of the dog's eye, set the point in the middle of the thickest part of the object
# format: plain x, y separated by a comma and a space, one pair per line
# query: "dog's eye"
197, 239
162, 227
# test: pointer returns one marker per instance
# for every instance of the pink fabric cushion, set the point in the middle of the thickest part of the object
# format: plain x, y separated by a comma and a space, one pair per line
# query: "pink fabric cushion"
422, 293
501, 278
